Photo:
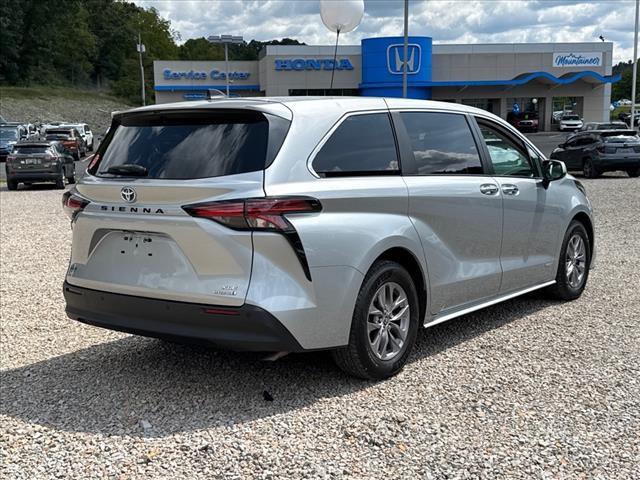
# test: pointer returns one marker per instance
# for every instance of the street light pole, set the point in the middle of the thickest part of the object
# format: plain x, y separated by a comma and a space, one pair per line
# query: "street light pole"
140, 51
405, 48
225, 40
635, 67
226, 65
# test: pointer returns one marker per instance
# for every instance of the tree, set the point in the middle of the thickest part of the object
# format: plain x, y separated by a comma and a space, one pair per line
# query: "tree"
622, 88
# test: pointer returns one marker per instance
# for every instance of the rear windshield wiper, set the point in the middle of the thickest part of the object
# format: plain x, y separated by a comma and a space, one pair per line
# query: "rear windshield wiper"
128, 169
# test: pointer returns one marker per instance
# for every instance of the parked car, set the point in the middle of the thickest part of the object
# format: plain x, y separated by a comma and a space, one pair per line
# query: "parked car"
235, 224
604, 126
626, 118
10, 134
570, 121
70, 138
524, 121
624, 102
38, 161
596, 152
85, 133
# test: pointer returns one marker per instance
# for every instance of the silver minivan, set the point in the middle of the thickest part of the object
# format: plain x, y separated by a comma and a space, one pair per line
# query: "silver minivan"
297, 224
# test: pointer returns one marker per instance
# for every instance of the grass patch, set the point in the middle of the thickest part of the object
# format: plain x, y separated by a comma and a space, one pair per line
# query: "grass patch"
45, 92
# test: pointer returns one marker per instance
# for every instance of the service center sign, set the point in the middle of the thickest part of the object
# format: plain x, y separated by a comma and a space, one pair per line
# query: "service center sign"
577, 59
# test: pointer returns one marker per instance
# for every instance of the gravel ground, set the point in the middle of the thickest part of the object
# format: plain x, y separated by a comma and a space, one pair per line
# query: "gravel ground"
526, 389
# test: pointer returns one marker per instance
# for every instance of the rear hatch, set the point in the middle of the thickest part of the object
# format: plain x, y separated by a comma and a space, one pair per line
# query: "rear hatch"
624, 143
134, 236
32, 158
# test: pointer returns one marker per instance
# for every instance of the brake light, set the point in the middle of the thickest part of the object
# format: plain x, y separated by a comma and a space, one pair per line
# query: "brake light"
94, 160
255, 213
73, 204
261, 214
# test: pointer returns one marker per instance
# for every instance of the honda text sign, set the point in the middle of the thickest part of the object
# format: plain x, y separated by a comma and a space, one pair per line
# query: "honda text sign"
396, 60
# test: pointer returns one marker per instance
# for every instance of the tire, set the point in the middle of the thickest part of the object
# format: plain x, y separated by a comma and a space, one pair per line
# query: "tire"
633, 173
91, 146
60, 179
358, 358
564, 289
12, 184
71, 179
588, 170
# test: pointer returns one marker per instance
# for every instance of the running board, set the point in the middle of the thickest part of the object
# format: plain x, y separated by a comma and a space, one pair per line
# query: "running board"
501, 298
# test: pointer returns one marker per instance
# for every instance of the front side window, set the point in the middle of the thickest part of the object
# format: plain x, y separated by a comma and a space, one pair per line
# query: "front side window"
361, 145
507, 157
442, 143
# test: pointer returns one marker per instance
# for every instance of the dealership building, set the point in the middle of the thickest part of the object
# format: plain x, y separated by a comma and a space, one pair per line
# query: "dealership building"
541, 78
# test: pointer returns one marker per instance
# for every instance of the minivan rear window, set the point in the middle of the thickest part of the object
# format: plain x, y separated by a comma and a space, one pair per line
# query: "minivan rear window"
30, 150
189, 145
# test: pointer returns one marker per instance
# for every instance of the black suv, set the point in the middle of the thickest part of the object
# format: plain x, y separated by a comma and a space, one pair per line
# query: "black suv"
595, 152
32, 162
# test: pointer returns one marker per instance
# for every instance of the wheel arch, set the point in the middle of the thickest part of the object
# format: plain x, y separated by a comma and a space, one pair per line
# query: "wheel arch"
408, 260
583, 218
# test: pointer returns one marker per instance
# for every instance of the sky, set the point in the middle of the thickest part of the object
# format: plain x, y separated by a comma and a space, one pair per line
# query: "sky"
446, 21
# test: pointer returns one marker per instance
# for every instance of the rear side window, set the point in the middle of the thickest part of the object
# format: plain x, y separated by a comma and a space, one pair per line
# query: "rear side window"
361, 145
181, 145
442, 143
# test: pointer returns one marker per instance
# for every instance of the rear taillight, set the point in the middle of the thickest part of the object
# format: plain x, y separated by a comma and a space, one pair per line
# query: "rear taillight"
11, 158
255, 213
73, 204
261, 214
92, 163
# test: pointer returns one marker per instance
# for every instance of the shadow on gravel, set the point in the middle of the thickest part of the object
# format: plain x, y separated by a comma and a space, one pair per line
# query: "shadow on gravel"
120, 387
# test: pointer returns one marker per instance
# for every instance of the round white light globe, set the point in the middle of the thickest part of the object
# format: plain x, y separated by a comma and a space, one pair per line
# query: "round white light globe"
343, 16
534, 100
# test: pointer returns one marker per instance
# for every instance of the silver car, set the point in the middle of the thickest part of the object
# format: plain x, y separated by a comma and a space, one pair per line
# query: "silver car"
296, 224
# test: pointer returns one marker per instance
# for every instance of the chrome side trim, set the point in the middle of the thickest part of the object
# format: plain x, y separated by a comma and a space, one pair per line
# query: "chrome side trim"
439, 319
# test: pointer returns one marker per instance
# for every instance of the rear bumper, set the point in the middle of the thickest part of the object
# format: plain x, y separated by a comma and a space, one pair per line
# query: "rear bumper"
612, 163
242, 328
33, 176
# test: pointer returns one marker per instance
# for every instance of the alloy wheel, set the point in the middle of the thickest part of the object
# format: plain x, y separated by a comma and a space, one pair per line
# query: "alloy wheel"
576, 261
388, 321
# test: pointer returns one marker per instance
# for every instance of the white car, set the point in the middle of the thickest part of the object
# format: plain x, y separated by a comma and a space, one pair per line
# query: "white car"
570, 122
85, 133
624, 101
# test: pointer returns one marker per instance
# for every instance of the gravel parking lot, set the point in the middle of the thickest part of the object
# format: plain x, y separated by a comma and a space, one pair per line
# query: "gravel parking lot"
527, 389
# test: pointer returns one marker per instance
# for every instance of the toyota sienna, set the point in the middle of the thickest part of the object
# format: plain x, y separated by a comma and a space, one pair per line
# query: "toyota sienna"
297, 224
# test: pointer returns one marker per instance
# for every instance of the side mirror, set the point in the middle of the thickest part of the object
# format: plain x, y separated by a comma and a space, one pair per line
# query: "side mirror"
553, 170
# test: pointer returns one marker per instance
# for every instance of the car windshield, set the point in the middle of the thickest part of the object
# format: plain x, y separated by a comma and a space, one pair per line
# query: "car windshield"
571, 117
8, 133
185, 146
612, 126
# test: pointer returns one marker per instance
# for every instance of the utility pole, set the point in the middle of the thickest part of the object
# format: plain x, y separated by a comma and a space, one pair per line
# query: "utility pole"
635, 68
406, 49
140, 48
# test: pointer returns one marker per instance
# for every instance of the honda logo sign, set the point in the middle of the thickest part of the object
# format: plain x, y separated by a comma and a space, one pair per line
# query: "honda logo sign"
396, 60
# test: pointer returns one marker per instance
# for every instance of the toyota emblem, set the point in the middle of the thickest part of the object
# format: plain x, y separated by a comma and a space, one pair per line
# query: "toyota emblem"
128, 194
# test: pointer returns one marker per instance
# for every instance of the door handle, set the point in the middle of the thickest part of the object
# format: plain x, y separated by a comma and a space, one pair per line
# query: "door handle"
488, 189
510, 189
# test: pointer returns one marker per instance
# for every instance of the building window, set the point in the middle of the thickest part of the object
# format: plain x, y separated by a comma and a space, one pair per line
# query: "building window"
324, 92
